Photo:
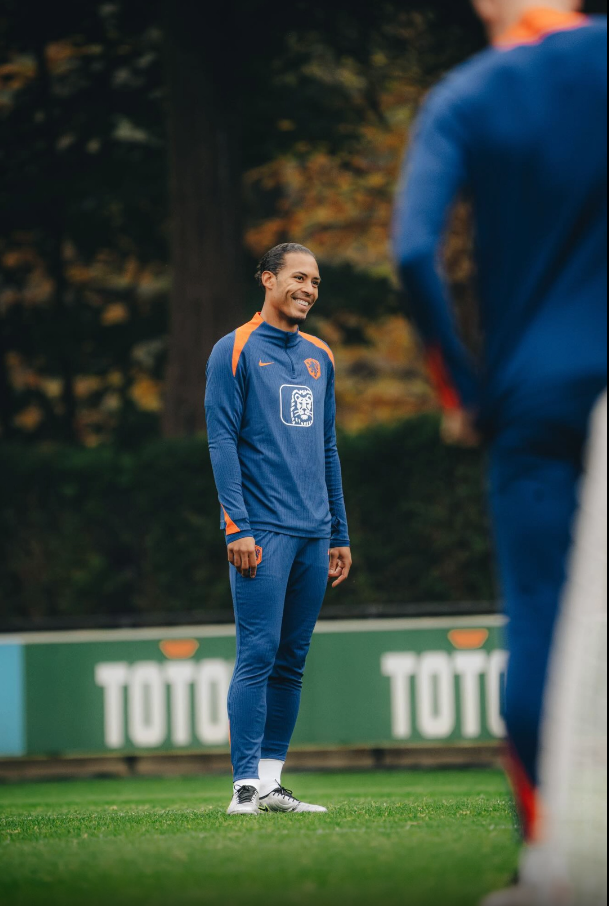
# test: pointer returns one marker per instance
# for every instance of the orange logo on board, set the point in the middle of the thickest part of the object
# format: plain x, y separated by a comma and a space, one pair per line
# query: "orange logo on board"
314, 368
258, 555
469, 639
179, 649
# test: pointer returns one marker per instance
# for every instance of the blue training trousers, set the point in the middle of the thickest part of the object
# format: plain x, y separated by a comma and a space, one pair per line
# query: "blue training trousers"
536, 465
275, 615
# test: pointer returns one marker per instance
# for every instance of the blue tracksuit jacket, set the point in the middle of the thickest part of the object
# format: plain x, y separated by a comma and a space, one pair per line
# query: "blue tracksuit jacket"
522, 130
271, 417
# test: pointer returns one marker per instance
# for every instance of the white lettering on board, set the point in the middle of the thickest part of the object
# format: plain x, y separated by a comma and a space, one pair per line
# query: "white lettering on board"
148, 704
400, 668
435, 695
440, 685
470, 666
113, 678
180, 676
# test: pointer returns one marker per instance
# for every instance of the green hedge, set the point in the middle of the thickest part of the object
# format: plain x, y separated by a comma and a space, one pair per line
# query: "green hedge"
109, 533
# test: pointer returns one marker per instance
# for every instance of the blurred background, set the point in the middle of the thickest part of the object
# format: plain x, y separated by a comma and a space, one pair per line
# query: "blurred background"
149, 154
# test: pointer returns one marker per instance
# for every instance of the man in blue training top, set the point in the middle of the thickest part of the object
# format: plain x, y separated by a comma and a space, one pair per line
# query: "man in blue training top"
522, 130
271, 421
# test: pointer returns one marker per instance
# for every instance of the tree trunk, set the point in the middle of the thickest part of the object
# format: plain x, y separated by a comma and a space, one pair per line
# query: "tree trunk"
205, 188
6, 391
52, 220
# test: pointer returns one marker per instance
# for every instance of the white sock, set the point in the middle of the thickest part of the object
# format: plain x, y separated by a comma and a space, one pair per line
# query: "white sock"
239, 783
270, 775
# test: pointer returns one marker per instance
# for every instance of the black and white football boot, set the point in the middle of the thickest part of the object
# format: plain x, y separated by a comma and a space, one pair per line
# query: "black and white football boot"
282, 800
245, 801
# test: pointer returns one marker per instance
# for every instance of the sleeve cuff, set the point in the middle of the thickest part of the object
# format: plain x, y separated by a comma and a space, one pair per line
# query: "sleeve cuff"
237, 536
340, 542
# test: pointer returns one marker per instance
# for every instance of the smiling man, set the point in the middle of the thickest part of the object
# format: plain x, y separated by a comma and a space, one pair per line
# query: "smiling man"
271, 417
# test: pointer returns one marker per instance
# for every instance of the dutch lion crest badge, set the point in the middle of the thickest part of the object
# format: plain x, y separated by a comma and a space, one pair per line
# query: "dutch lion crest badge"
314, 368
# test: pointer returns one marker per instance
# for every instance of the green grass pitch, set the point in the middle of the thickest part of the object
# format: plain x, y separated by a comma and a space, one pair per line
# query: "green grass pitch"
413, 839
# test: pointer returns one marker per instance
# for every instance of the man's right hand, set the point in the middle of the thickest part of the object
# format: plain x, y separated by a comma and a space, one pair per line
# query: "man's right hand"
459, 429
242, 555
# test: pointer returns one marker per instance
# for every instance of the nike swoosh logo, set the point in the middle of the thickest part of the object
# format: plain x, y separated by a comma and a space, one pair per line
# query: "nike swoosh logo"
265, 364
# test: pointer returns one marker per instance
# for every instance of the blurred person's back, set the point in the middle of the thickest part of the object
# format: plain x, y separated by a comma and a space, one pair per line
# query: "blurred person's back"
531, 125
522, 129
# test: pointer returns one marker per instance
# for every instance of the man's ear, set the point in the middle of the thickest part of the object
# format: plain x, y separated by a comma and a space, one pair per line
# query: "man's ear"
268, 279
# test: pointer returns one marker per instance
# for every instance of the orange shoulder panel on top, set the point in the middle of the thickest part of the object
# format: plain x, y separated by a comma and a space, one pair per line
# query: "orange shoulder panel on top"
539, 23
242, 335
320, 345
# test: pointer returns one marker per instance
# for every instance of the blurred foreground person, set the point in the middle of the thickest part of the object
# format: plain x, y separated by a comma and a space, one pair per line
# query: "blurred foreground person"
271, 421
522, 130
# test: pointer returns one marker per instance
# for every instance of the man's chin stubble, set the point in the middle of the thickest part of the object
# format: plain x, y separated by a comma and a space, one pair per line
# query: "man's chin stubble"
295, 320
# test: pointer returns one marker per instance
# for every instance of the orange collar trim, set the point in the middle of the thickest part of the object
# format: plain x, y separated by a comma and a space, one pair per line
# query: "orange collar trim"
537, 24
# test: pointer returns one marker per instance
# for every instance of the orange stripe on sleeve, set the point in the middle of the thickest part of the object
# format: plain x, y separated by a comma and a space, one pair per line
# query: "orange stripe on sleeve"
242, 335
449, 397
231, 528
320, 345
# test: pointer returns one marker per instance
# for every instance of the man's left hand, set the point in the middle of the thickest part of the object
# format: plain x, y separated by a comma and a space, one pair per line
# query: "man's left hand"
341, 562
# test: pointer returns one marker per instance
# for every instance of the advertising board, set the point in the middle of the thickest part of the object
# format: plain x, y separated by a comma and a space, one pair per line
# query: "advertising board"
368, 683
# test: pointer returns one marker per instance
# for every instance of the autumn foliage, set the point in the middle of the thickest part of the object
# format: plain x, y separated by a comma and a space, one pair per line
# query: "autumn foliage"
86, 280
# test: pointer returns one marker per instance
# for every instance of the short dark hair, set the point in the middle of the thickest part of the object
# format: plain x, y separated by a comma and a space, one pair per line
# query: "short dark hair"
274, 259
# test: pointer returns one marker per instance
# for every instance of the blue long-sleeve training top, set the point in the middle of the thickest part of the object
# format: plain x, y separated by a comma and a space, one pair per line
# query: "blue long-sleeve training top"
522, 131
271, 423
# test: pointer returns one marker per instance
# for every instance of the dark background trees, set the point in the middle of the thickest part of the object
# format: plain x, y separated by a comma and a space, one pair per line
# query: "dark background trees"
82, 199
110, 537
149, 152
126, 131
258, 83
